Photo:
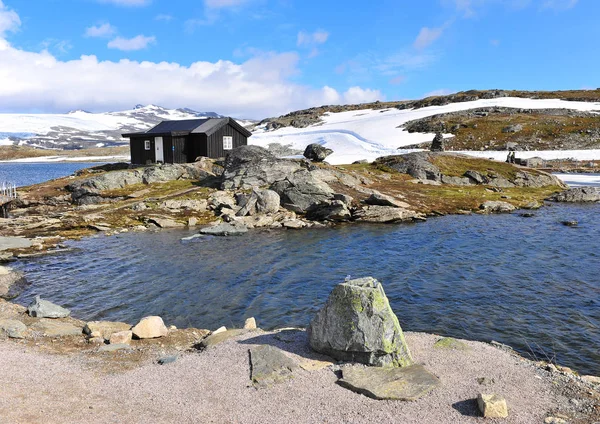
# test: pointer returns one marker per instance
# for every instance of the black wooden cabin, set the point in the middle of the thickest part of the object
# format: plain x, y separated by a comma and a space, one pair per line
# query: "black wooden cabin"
184, 141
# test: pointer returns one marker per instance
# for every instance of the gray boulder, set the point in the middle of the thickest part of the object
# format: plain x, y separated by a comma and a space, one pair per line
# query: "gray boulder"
316, 152
358, 324
336, 210
379, 199
578, 194
11, 282
267, 201
415, 164
512, 128
46, 309
384, 214
12, 328
494, 206
301, 190
253, 166
225, 229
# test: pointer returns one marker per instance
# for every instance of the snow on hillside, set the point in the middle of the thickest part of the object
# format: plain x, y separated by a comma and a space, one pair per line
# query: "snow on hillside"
369, 134
80, 128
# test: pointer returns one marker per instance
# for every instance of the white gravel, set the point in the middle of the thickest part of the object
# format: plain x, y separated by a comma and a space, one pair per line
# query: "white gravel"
214, 387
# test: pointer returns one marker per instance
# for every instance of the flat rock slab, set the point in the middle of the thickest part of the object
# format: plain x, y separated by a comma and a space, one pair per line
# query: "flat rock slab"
105, 328
14, 243
12, 328
408, 383
114, 347
270, 366
45, 309
53, 328
216, 338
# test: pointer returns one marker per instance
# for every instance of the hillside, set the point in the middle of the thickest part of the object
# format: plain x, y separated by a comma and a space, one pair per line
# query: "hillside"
547, 127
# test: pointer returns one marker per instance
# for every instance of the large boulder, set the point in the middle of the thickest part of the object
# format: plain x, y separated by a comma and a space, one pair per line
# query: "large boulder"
336, 210
259, 201
578, 194
150, 328
358, 324
415, 164
317, 152
301, 190
253, 166
40, 308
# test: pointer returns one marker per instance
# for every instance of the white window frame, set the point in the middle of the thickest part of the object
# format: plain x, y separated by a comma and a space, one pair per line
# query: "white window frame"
147, 145
227, 142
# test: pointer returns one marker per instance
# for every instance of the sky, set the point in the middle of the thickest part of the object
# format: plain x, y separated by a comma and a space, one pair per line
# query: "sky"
262, 58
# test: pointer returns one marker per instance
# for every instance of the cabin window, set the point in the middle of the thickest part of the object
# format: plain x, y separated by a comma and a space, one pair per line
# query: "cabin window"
227, 142
147, 144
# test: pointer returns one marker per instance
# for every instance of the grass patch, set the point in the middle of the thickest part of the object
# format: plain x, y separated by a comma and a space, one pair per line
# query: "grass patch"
456, 166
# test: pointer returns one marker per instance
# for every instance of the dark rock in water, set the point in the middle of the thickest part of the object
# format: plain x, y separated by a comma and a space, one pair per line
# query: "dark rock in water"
358, 324
492, 206
385, 214
570, 223
46, 309
225, 229
437, 145
269, 365
578, 194
316, 152
409, 383
527, 215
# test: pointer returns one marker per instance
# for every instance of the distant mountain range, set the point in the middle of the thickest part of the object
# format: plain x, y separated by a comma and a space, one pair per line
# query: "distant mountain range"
81, 129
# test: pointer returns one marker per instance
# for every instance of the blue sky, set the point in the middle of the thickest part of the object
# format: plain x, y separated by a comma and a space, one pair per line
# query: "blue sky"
257, 58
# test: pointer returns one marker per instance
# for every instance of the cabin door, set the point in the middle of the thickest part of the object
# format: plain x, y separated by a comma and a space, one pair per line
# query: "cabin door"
159, 151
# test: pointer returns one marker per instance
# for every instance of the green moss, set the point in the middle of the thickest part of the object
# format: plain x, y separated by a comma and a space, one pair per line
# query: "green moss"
451, 344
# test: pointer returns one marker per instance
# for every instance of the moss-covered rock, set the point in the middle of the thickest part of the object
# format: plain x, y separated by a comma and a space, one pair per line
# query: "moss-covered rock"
358, 324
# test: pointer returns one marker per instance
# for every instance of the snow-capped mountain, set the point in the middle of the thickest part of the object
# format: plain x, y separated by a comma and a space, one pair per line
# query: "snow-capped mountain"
81, 129
371, 133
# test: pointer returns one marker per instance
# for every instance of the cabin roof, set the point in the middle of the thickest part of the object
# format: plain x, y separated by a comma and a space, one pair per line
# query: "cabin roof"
184, 127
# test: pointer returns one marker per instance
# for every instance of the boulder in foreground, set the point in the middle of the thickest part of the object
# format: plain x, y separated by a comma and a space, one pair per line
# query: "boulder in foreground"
150, 328
357, 324
408, 383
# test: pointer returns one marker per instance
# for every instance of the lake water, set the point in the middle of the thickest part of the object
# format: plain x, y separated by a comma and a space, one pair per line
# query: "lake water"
24, 174
531, 283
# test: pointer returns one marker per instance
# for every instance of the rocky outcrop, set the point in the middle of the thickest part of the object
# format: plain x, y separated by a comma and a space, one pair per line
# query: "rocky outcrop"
258, 202
415, 164
357, 324
89, 191
317, 152
253, 166
492, 206
577, 195
301, 190
336, 210
11, 282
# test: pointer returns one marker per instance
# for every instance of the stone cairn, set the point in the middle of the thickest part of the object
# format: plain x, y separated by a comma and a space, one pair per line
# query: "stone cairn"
437, 145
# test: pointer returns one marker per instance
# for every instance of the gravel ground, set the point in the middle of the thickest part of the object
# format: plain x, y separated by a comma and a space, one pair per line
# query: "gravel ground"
213, 386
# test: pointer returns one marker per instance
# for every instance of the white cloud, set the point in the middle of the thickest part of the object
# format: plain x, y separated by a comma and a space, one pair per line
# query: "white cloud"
359, 95
138, 42
127, 2
427, 36
221, 4
256, 88
440, 92
103, 30
164, 17
9, 20
305, 39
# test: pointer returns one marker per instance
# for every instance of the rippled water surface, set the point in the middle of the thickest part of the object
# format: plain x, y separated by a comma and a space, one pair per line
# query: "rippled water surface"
23, 174
529, 282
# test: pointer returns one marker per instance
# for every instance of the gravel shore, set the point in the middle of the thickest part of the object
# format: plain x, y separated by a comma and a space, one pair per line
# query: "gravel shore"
213, 386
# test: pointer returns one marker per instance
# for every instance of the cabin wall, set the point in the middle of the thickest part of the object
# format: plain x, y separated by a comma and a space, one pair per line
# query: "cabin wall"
195, 146
215, 141
139, 154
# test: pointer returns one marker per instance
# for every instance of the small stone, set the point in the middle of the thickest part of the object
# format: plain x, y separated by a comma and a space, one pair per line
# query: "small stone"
172, 327
250, 324
45, 309
220, 330
527, 215
121, 337
450, 343
492, 406
12, 328
192, 222
215, 339
485, 381
94, 334
554, 420
149, 328
96, 340
167, 360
